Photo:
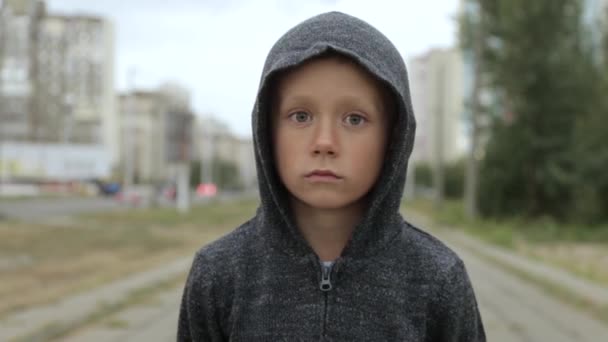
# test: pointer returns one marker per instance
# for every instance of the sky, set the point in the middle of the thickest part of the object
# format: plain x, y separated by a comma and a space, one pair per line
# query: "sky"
217, 48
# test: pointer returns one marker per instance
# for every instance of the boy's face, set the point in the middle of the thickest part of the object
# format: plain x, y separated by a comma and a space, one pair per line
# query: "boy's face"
329, 114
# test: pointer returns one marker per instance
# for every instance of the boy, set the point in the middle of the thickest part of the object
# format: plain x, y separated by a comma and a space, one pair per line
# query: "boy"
327, 256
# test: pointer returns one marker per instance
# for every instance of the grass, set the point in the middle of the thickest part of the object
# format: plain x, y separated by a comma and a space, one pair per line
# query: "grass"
96, 249
508, 232
117, 324
578, 249
55, 331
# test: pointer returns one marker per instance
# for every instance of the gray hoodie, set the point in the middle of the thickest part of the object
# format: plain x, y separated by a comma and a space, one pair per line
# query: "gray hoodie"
393, 282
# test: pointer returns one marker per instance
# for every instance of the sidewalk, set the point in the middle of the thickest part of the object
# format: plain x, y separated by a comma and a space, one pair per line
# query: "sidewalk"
580, 288
79, 308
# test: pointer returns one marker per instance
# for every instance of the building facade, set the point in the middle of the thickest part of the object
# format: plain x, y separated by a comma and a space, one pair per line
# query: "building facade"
56, 77
156, 134
19, 23
436, 80
75, 92
215, 141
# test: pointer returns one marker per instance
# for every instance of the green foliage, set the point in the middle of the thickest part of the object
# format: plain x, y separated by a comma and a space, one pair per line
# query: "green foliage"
508, 231
423, 174
195, 174
547, 154
454, 180
591, 170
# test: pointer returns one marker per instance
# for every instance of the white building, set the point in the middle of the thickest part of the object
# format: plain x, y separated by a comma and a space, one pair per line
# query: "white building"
238, 151
19, 21
54, 162
142, 136
215, 141
155, 132
56, 77
75, 66
436, 83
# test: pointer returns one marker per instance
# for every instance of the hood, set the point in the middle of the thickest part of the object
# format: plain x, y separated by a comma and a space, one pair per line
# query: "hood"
356, 39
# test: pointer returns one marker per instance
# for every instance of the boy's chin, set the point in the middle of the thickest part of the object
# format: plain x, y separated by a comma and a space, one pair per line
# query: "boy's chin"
326, 202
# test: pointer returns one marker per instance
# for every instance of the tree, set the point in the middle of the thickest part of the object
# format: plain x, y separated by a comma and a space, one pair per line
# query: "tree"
591, 178
536, 64
225, 174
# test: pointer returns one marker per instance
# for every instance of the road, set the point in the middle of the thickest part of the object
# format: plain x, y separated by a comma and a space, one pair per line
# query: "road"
149, 322
512, 310
45, 208
42, 209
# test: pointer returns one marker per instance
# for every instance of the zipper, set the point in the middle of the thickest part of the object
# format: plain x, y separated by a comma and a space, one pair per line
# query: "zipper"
325, 315
325, 284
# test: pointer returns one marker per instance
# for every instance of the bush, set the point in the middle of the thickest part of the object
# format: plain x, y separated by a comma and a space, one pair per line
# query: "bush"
423, 175
453, 181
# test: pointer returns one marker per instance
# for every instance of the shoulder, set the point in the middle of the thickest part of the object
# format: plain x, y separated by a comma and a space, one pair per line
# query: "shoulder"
453, 310
222, 257
426, 251
228, 243
444, 270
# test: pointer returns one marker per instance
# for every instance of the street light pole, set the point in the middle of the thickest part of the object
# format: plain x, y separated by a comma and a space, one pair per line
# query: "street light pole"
439, 163
183, 176
207, 151
3, 159
472, 170
129, 130
203, 152
3, 165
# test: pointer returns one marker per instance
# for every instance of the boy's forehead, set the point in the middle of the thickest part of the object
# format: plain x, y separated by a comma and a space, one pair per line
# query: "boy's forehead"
280, 91
307, 75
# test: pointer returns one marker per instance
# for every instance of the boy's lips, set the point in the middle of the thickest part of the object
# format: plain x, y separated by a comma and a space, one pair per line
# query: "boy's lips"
323, 173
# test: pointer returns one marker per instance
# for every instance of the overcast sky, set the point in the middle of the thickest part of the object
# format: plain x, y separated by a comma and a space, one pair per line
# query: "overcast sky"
216, 48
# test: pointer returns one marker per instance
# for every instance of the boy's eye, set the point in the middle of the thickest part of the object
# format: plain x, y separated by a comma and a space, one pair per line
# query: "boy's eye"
300, 117
355, 119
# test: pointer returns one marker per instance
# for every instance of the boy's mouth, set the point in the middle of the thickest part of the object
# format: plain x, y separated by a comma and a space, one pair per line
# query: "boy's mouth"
323, 173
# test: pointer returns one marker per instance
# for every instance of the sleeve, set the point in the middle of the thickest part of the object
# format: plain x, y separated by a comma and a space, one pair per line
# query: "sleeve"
198, 316
458, 318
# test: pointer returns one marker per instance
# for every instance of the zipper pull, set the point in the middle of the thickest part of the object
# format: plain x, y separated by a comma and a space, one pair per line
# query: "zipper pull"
325, 279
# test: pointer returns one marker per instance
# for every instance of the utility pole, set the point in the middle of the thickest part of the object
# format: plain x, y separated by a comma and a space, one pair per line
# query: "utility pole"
129, 131
69, 122
3, 165
183, 167
3, 158
207, 151
203, 152
472, 171
438, 170
410, 184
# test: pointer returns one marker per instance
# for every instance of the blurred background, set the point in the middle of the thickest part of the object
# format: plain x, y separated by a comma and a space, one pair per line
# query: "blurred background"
125, 145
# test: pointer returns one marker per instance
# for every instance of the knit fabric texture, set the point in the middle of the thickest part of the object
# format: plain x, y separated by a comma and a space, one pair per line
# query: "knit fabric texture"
393, 281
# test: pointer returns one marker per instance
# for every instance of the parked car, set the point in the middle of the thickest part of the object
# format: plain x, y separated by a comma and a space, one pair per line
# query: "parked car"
107, 188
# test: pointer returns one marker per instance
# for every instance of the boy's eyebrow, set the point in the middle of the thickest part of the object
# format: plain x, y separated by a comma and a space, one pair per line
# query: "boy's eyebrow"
377, 105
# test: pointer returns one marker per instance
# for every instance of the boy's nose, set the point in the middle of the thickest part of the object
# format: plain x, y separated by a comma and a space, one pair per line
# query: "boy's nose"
325, 140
